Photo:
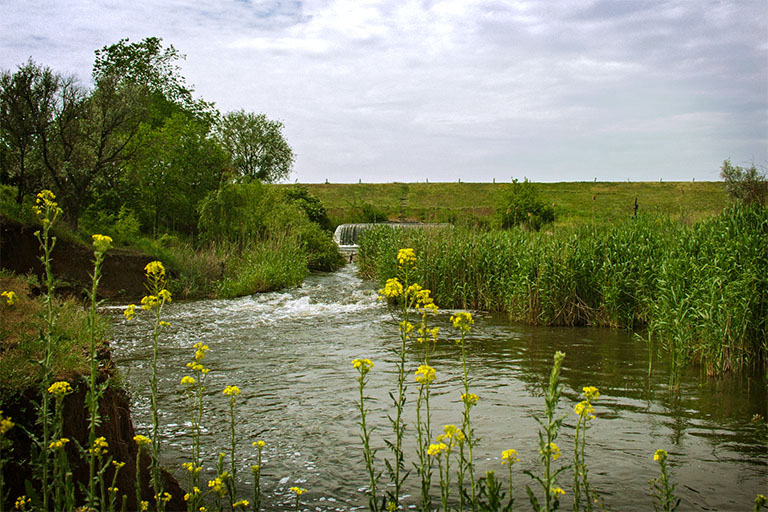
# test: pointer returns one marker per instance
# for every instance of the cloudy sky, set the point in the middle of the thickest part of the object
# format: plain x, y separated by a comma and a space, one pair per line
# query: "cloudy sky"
381, 91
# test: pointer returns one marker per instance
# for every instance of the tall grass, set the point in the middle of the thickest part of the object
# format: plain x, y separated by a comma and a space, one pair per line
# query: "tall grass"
702, 290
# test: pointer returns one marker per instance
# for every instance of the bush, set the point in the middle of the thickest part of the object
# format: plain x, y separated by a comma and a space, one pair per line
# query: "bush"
746, 185
520, 205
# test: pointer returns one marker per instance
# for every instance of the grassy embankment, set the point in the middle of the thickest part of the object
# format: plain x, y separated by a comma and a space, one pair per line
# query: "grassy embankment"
470, 204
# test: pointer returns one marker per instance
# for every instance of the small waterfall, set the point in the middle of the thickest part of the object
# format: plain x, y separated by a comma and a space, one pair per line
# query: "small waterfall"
348, 235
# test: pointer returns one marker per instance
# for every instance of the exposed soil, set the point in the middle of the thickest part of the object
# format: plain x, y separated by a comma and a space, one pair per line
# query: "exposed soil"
122, 271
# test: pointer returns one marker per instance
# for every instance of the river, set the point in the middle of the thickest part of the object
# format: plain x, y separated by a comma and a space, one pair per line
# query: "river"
291, 354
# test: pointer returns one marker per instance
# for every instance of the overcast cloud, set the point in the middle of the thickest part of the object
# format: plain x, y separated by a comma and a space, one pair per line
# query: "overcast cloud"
382, 91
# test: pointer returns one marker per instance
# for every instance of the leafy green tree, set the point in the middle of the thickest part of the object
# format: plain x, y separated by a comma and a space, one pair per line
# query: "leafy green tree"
312, 206
256, 145
747, 185
520, 205
173, 168
27, 103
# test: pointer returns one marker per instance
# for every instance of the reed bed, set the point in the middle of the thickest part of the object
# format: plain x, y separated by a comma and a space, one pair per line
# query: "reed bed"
701, 290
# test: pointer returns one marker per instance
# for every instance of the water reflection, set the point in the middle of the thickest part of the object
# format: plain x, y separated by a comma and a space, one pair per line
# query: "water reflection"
291, 352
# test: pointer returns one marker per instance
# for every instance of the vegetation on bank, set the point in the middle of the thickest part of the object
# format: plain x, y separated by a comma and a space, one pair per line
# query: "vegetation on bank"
138, 158
475, 204
702, 290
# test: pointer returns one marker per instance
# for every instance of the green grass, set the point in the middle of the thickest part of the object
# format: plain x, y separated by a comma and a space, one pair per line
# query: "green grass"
470, 203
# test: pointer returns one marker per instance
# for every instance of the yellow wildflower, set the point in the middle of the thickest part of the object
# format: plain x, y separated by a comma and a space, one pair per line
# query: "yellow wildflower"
406, 328
164, 295
551, 449
391, 506
298, 490
194, 493
363, 365
112, 489
406, 257
144, 506
760, 501
60, 389
231, 391
165, 497
191, 467
436, 449
102, 243
557, 492
591, 393
425, 374
241, 503
130, 312
469, 398
509, 456
452, 434
463, 321
100, 446
217, 485
187, 381
22, 502
392, 288
259, 443
585, 409
118, 465
660, 455
200, 350
10, 297
5, 424
141, 440
155, 269
56, 445
148, 302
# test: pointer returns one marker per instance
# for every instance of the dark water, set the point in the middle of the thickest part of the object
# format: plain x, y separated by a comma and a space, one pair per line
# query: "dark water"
291, 355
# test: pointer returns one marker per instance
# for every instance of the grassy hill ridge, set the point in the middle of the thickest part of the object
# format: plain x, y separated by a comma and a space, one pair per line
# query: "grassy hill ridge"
575, 202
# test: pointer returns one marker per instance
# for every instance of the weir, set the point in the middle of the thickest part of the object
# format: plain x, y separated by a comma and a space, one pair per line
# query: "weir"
348, 235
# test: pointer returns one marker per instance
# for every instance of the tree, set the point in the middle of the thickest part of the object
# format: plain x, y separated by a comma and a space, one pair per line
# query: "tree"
27, 102
153, 68
520, 205
746, 185
256, 145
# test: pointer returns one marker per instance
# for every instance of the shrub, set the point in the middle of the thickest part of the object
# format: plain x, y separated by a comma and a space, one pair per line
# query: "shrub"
520, 205
746, 185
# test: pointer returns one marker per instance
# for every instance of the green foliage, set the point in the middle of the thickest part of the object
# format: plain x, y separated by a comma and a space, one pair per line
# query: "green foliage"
311, 205
237, 212
702, 290
256, 146
746, 185
520, 205
123, 227
322, 252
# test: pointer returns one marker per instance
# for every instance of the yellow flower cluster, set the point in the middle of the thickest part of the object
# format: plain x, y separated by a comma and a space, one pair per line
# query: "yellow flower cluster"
406, 257
392, 288
155, 269
141, 440
197, 367
118, 465
298, 490
102, 243
10, 297
56, 445
231, 391
187, 381
192, 467
22, 502
5, 424
660, 455
45, 202
551, 449
112, 490
469, 398
60, 389
100, 446
144, 506
165, 497
130, 312
259, 444
190, 495
463, 321
557, 492
437, 449
509, 456
363, 365
425, 374
452, 434
218, 486
200, 350
242, 503
591, 393
427, 334
585, 409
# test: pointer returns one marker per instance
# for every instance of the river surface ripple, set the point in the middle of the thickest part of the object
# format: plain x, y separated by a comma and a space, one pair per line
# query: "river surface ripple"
291, 355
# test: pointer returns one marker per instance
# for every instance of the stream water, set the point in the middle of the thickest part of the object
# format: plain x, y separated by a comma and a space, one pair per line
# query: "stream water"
291, 355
